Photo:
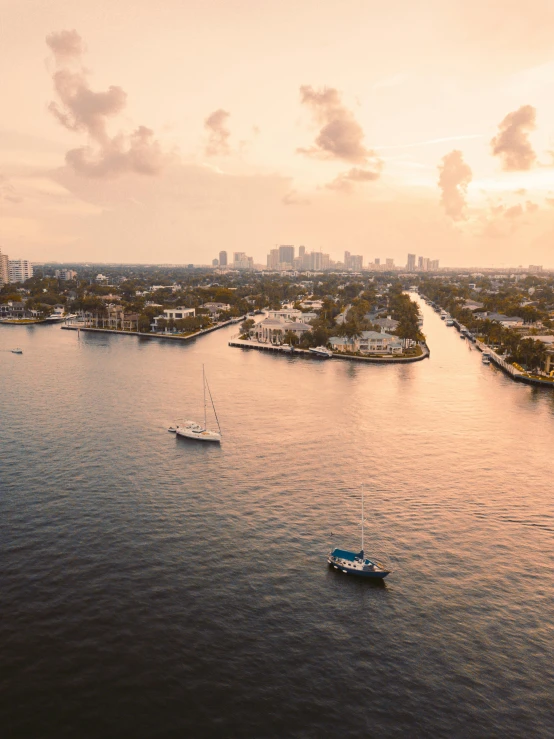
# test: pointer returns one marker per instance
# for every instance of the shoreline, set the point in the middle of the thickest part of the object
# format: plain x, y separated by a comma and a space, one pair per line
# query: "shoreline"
508, 369
244, 344
165, 337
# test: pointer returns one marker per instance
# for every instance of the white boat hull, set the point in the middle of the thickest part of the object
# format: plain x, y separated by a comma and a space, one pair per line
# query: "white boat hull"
204, 435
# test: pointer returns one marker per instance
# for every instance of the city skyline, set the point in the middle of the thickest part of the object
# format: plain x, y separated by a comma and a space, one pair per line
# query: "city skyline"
436, 141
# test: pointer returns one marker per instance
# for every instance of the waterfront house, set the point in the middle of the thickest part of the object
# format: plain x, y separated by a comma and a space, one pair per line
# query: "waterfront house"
215, 309
173, 314
385, 324
506, 321
273, 330
548, 342
285, 314
369, 342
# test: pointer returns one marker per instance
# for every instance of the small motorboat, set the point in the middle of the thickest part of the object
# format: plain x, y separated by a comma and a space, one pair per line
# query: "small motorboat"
321, 351
17, 351
486, 358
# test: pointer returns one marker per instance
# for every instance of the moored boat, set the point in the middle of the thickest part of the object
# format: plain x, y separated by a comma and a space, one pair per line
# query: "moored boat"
17, 351
356, 563
193, 430
321, 351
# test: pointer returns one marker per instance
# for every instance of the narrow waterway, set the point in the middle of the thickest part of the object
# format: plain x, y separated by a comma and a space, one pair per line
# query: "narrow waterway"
151, 587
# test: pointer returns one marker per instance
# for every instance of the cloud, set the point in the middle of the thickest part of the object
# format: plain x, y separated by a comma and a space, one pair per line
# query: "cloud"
81, 109
340, 136
454, 178
293, 198
8, 192
65, 45
531, 207
512, 143
218, 133
514, 211
345, 180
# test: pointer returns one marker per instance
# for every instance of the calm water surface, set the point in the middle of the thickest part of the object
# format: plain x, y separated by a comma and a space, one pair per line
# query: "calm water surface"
151, 587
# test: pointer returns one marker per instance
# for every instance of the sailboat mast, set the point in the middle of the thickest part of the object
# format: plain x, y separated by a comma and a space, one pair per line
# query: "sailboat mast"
204, 386
362, 518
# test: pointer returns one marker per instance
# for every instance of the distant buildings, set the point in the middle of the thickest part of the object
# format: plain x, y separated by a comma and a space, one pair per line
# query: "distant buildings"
19, 270
353, 262
65, 274
222, 258
241, 261
282, 259
424, 264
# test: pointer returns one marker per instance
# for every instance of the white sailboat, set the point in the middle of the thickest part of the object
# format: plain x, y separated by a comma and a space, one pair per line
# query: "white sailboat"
193, 430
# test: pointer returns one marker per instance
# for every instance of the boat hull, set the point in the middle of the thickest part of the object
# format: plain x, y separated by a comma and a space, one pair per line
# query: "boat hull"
371, 574
199, 436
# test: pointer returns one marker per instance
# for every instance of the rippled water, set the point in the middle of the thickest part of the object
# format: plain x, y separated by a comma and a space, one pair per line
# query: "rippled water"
151, 587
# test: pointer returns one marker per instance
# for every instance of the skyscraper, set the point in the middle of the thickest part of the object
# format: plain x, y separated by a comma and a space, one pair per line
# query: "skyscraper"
420, 262
20, 270
286, 254
273, 259
390, 263
301, 251
222, 258
4, 269
410, 266
377, 262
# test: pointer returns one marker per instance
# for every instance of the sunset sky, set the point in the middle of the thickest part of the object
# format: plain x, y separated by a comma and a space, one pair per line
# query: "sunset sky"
164, 132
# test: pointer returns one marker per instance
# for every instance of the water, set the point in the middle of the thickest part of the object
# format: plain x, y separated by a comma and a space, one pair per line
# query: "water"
154, 587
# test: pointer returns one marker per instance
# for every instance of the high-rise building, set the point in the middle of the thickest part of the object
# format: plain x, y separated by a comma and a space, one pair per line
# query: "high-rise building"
390, 263
273, 259
286, 254
347, 259
420, 262
222, 258
410, 266
215, 262
356, 262
377, 262
301, 251
4, 269
241, 261
20, 270
434, 264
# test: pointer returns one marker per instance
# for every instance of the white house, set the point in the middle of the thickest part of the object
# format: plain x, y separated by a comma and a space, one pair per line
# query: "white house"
369, 342
286, 314
272, 330
174, 314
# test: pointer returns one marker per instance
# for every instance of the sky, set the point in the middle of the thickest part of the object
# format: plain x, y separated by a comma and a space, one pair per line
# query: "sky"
165, 132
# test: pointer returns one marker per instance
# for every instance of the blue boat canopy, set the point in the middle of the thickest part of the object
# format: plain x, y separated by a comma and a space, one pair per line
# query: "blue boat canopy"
343, 554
